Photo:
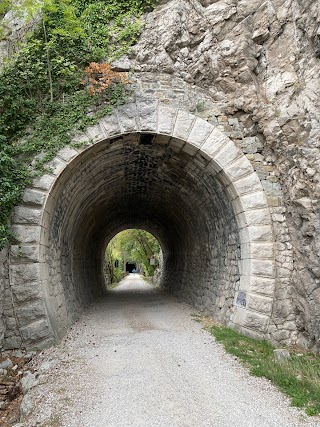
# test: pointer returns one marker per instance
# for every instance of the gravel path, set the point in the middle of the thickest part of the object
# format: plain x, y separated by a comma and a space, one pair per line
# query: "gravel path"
136, 358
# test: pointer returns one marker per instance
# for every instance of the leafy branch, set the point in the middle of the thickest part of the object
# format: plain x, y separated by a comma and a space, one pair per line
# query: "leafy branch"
42, 100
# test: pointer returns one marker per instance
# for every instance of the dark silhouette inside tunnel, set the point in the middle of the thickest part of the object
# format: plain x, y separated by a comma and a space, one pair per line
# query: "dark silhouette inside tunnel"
130, 267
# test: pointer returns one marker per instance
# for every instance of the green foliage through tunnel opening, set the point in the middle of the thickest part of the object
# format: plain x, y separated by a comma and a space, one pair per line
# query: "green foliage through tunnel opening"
132, 246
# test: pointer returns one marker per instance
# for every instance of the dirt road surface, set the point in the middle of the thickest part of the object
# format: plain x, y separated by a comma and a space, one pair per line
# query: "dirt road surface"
137, 358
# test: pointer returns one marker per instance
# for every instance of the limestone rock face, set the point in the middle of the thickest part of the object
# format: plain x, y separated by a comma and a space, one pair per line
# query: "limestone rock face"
259, 60
15, 30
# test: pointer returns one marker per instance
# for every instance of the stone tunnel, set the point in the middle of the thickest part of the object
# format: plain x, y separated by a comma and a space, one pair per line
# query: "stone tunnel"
162, 169
140, 181
216, 153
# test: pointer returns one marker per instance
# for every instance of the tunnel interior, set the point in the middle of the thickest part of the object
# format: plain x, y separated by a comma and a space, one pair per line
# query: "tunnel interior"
130, 267
163, 185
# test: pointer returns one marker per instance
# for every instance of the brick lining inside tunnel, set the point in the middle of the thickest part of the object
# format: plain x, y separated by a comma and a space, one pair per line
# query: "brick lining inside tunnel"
167, 172
171, 194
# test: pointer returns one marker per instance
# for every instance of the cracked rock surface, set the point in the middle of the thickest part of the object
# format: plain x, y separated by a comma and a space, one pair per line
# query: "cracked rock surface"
260, 62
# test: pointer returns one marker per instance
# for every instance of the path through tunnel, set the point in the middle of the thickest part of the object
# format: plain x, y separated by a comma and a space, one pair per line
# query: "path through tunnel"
138, 181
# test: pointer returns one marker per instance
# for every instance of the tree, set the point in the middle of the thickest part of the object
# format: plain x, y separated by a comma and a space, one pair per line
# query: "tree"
134, 246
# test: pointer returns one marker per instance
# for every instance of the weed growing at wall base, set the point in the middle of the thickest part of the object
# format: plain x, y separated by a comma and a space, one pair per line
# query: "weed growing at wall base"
42, 101
297, 377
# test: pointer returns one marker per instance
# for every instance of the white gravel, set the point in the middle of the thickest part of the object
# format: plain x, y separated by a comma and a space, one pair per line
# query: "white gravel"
136, 358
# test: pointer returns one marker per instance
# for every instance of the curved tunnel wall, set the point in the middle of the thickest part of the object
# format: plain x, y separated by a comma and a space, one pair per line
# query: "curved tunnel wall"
134, 181
164, 170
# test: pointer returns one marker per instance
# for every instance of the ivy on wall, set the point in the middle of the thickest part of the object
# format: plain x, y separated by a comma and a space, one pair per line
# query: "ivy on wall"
43, 101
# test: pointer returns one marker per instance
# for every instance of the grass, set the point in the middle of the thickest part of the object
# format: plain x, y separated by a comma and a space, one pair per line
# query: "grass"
298, 377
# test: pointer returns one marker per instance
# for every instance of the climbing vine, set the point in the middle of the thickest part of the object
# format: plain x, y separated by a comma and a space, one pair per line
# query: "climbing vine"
44, 96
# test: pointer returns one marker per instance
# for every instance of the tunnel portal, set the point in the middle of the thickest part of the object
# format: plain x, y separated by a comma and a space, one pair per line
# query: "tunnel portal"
173, 175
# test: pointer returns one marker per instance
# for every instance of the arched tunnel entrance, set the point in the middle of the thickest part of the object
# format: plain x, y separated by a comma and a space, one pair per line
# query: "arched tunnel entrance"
144, 185
195, 192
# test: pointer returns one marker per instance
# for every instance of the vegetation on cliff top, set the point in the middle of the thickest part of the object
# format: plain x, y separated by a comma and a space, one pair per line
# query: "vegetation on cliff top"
43, 100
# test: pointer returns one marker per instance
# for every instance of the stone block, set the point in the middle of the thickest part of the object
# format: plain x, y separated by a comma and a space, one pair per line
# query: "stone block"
23, 292
245, 267
237, 206
127, 117
201, 159
14, 341
190, 149
23, 273
224, 179
244, 236
176, 144
213, 168
250, 319
248, 184
241, 220
148, 115
254, 201
231, 191
260, 285
183, 125
44, 182
27, 233
228, 153
259, 303
25, 215
67, 154
215, 141
166, 120
260, 233
262, 250
258, 217
37, 331
81, 141
34, 310
24, 253
110, 125
34, 197
162, 139
56, 165
96, 133
199, 132
238, 168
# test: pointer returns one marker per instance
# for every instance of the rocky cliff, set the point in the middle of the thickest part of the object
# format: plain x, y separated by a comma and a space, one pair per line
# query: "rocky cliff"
260, 62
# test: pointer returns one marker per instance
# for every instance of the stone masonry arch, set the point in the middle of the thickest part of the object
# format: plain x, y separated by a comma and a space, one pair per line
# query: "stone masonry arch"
149, 140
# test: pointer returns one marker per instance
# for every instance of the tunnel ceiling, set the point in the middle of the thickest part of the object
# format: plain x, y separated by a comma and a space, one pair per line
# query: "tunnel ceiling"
136, 181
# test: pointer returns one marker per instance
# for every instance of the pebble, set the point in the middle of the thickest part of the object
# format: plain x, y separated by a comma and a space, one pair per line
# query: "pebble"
6, 364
